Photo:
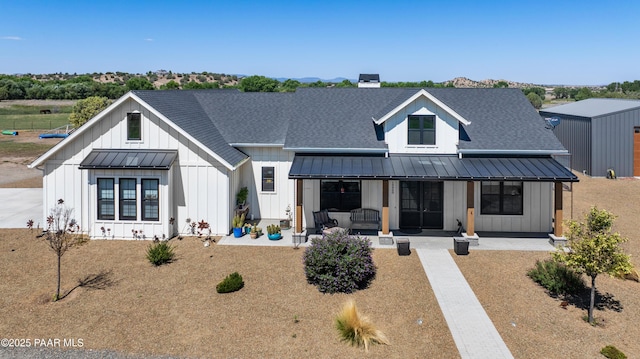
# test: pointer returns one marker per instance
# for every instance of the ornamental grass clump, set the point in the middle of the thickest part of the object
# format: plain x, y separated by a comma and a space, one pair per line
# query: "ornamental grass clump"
160, 253
339, 263
357, 329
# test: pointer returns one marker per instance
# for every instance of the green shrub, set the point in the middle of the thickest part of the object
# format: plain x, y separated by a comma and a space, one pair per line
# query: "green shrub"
556, 277
339, 263
233, 282
160, 253
612, 352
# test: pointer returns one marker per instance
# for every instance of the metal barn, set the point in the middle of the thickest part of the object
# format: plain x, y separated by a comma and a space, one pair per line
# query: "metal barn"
600, 134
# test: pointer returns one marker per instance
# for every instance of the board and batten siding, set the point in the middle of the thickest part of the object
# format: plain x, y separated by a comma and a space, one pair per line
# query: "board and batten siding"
537, 211
396, 130
199, 183
536, 217
269, 205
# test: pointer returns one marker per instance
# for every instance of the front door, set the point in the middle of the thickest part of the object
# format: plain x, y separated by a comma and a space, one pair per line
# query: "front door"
421, 205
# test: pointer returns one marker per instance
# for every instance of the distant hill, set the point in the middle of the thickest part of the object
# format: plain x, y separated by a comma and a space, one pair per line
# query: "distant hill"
161, 77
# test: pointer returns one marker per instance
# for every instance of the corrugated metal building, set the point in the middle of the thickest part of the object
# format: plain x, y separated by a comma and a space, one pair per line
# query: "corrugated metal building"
600, 134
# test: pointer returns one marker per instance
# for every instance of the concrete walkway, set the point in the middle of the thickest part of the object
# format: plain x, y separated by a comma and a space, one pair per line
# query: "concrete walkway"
472, 330
20, 205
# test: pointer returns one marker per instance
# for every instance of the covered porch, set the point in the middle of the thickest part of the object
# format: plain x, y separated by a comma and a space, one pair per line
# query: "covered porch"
384, 178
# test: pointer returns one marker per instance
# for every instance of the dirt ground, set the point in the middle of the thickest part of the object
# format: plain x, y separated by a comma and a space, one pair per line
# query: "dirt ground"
174, 310
14, 172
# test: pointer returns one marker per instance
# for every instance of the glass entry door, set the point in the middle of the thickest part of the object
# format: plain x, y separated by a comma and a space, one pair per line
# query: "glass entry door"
421, 205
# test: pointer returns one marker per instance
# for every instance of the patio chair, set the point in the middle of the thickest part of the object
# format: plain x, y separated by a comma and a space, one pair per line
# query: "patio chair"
323, 221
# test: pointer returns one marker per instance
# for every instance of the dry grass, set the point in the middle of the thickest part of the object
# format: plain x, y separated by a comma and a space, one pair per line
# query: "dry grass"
174, 309
535, 325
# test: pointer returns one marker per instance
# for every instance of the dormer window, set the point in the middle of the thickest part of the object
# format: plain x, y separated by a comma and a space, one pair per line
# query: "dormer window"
422, 130
133, 126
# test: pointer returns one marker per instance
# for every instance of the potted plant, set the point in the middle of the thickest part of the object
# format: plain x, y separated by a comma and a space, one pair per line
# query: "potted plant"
259, 232
273, 232
237, 223
241, 197
254, 232
247, 228
286, 223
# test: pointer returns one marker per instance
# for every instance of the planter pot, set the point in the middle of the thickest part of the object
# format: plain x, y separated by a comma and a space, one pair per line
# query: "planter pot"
275, 236
237, 232
285, 224
253, 235
460, 246
247, 230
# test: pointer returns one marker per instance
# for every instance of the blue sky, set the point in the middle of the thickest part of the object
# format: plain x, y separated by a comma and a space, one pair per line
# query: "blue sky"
543, 42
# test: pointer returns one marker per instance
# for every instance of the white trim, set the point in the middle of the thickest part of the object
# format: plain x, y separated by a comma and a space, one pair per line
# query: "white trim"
511, 152
256, 144
336, 150
429, 96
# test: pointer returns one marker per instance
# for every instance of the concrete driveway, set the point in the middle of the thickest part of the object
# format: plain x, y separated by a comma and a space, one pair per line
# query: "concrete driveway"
18, 205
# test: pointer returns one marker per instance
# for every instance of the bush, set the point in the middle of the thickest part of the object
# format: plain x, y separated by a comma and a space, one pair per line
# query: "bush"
556, 277
356, 329
339, 263
233, 282
612, 352
160, 253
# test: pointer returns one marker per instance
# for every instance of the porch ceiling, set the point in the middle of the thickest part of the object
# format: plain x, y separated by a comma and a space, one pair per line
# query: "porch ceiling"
129, 159
542, 169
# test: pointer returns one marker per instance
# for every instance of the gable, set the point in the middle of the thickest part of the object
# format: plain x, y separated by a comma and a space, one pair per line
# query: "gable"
109, 130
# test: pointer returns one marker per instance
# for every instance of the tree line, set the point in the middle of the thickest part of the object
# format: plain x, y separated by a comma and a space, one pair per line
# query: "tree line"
75, 87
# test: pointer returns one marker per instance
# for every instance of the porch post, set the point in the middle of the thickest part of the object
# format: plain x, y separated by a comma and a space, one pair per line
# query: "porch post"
299, 191
557, 223
385, 206
470, 209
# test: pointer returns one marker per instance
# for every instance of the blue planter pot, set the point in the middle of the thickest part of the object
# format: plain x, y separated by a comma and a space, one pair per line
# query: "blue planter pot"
275, 236
237, 232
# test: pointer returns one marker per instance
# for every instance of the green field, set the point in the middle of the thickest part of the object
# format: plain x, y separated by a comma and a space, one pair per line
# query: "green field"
9, 147
20, 117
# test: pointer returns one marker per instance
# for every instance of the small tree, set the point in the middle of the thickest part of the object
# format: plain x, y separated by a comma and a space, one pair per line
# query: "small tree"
60, 234
595, 249
86, 109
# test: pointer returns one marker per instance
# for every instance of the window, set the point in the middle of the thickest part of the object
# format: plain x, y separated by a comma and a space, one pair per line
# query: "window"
340, 196
133, 126
268, 179
128, 208
150, 205
106, 206
422, 130
501, 198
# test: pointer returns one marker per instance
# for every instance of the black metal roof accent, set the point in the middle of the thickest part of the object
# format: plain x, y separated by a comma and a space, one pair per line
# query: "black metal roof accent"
129, 159
450, 168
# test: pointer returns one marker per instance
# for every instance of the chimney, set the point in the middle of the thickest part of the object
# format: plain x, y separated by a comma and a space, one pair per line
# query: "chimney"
369, 81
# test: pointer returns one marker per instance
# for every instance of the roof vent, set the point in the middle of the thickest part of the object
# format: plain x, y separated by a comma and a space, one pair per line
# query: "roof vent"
369, 81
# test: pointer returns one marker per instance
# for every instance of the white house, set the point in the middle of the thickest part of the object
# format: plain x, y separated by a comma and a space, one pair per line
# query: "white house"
424, 158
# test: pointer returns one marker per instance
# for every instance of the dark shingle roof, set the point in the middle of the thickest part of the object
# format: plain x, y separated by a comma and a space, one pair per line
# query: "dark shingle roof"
341, 119
501, 119
183, 108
